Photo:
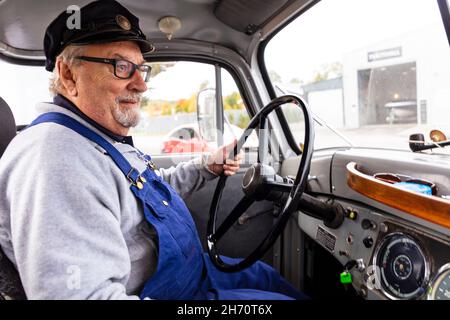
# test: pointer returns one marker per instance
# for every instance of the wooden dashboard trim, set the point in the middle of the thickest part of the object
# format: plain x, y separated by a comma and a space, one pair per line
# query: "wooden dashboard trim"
430, 208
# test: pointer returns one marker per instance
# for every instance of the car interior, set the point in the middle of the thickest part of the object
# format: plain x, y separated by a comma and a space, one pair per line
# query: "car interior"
343, 195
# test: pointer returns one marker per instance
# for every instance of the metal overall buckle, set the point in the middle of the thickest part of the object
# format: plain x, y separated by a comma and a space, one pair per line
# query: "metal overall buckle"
139, 182
151, 165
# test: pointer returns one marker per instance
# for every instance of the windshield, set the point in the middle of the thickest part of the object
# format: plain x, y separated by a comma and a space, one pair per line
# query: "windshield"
376, 70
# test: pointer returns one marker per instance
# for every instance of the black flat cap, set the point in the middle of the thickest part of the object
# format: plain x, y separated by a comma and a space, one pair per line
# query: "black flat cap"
101, 21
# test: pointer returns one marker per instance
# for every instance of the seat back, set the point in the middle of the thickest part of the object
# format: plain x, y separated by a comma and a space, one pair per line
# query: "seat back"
10, 284
7, 126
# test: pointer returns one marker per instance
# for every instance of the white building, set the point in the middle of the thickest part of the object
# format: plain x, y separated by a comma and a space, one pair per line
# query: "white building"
407, 77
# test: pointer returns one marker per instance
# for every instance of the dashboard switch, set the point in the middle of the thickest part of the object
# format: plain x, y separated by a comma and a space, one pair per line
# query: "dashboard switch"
360, 265
368, 224
368, 242
346, 277
351, 213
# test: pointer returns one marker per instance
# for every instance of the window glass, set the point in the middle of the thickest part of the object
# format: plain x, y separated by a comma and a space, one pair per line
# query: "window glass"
22, 87
236, 117
377, 71
169, 122
169, 108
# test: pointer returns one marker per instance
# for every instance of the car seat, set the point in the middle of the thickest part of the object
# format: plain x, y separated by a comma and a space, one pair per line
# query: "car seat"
10, 285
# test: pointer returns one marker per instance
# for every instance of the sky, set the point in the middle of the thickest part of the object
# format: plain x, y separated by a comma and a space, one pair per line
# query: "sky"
194, 74
308, 42
297, 52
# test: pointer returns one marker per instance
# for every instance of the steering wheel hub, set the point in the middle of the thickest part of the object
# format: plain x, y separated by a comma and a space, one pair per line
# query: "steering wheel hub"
256, 181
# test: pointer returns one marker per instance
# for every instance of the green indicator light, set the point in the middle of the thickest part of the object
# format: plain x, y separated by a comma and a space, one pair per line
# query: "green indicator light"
346, 277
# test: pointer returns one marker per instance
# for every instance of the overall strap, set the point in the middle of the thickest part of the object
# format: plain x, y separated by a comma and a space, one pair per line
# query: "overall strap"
69, 122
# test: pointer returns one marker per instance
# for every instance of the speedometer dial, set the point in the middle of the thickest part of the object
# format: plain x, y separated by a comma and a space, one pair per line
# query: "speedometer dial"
440, 286
403, 267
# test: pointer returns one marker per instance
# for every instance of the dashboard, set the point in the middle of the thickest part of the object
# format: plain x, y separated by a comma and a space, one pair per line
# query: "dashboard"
389, 253
395, 259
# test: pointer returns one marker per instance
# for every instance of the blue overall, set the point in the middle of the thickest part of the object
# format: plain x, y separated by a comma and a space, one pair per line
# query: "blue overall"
183, 271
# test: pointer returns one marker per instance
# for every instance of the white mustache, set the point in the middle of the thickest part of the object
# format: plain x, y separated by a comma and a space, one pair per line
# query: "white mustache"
131, 98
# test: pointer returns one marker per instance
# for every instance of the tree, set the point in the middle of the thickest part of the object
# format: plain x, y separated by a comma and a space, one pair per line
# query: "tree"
188, 105
230, 117
233, 101
328, 71
203, 85
243, 121
160, 67
144, 102
274, 77
296, 81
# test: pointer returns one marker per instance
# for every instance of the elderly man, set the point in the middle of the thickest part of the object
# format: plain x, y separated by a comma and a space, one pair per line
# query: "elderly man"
87, 216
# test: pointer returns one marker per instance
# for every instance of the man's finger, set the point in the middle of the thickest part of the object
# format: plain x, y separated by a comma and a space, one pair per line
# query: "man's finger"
231, 166
232, 162
229, 173
239, 156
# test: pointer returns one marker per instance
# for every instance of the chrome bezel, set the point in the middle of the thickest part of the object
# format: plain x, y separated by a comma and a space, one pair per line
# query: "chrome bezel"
442, 270
385, 240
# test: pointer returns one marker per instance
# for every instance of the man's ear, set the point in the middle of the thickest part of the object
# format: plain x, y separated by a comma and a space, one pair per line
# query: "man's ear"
67, 78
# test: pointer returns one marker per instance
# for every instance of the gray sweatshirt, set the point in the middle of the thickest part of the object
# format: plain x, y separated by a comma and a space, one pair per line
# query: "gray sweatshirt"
68, 219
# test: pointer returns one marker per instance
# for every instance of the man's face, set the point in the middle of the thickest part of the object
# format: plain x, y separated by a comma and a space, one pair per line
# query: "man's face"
110, 101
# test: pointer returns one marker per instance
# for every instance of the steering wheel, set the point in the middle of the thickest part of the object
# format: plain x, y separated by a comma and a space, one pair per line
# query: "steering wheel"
261, 183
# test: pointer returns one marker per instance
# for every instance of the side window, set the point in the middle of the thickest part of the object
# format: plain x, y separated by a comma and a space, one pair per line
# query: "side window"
169, 118
22, 87
236, 117
169, 108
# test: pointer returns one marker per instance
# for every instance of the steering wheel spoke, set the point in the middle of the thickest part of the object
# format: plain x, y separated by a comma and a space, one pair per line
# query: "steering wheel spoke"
263, 135
279, 186
238, 210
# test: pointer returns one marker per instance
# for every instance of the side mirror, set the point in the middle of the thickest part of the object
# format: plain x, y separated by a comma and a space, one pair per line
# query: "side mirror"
437, 136
206, 114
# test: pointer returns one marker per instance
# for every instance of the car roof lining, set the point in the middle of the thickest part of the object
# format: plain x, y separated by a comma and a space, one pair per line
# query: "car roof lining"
248, 16
237, 25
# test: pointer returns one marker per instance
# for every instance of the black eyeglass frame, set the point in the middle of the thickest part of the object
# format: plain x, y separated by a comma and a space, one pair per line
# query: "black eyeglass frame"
113, 62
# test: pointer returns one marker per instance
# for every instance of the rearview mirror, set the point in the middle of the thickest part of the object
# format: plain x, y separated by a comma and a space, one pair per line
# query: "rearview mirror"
206, 114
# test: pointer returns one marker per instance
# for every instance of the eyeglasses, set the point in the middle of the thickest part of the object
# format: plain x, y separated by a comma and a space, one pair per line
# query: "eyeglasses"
123, 69
396, 178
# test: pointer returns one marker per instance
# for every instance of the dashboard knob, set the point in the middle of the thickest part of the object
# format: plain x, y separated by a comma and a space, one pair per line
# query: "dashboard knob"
368, 224
368, 242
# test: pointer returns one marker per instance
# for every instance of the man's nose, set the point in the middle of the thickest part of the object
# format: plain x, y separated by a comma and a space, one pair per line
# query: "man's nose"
138, 83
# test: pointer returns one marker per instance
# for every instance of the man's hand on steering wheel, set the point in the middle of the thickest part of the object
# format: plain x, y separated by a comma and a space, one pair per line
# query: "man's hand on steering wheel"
219, 163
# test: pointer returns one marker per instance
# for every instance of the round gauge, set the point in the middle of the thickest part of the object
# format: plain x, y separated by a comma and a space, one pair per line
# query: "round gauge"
402, 266
440, 286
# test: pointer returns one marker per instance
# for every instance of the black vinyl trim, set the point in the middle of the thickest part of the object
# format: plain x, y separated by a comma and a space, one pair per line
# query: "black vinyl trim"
445, 13
21, 61
219, 103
